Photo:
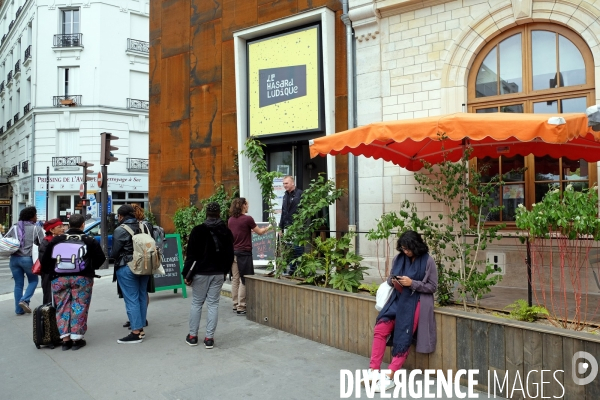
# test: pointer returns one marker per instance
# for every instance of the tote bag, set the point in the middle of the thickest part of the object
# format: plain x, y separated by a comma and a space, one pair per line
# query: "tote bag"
383, 295
9, 244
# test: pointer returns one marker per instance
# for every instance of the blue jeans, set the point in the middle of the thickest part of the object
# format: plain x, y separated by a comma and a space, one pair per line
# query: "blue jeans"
21, 266
135, 294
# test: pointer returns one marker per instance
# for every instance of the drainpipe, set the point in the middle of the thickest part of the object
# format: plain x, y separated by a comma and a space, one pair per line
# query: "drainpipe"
350, 59
32, 169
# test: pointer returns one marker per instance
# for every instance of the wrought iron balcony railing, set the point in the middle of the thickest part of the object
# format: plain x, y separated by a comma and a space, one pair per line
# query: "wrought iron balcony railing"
68, 40
19, 12
17, 67
9, 77
1, 130
10, 26
8, 124
3, 38
16, 117
138, 45
67, 101
138, 104
27, 53
66, 161
27, 108
25, 166
14, 171
137, 164
2, 87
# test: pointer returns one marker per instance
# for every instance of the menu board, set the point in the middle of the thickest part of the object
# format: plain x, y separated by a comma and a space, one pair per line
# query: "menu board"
263, 247
172, 263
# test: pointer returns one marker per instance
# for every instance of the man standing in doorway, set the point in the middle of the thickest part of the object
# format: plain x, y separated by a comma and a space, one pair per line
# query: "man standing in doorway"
289, 208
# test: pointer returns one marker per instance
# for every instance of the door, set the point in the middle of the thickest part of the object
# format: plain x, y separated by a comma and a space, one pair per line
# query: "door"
66, 205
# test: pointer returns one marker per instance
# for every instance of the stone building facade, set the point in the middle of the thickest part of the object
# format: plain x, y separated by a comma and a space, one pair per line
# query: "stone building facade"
426, 58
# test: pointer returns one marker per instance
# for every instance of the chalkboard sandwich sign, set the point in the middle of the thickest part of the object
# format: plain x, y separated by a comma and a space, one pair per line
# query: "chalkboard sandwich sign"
172, 263
263, 246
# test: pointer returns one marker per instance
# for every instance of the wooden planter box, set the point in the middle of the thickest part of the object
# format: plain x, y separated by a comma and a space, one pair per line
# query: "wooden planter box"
465, 340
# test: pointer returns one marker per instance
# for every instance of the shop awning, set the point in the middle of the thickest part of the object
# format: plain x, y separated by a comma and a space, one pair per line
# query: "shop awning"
408, 143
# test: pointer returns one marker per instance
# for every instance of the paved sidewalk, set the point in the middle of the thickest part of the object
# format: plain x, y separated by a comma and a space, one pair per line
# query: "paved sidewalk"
249, 360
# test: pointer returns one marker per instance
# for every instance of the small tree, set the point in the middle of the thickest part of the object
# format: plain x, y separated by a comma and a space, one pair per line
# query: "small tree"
188, 216
458, 235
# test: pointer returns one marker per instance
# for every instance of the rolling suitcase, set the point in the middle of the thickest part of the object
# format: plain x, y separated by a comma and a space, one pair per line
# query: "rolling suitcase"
45, 329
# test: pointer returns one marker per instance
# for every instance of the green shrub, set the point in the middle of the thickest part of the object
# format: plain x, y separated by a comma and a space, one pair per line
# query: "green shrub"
521, 311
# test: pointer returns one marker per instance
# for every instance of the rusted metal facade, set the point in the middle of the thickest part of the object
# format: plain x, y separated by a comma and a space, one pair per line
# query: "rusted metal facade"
193, 133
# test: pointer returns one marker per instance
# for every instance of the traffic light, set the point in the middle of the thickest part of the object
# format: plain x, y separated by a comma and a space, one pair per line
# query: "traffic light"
88, 174
106, 155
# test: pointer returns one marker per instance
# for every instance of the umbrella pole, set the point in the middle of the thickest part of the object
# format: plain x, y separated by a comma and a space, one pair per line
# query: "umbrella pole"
528, 262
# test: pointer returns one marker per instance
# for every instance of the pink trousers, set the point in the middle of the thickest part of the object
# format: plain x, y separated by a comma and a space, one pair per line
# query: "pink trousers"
381, 333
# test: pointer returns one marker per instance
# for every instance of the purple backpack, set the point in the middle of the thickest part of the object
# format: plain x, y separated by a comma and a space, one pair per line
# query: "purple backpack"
70, 255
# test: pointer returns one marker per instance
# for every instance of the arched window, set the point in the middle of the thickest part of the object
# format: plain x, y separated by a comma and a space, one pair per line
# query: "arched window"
535, 68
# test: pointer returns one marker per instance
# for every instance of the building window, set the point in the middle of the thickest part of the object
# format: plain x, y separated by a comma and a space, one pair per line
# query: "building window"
535, 68
70, 22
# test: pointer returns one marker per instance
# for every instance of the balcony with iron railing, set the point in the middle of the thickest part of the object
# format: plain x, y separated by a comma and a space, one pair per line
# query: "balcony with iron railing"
66, 161
9, 124
9, 77
1, 130
25, 166
138, 104
138, 46
14, 171
17, 68
3, 39
10, 26
68, 40
18, 12
27, 108
16, 118
67, 100
2, 87
27, 55
137, 164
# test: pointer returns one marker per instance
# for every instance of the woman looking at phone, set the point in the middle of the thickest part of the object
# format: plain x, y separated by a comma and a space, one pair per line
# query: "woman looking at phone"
409, 309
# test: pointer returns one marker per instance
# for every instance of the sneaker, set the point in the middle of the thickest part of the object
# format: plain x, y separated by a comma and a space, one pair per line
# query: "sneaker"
371, 378
191, 340
25, 306
77, 344
67, 345
209, 343
384, 384
242, 312
131, 338
142, 333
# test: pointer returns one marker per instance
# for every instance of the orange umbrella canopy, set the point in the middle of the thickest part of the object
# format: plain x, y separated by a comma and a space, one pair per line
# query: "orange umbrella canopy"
408, 143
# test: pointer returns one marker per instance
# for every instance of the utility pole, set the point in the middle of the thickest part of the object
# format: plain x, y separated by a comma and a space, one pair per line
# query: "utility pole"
83, 191
106, 156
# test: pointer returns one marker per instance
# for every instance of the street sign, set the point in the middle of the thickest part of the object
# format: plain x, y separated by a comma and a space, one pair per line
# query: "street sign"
99, 181
81, 190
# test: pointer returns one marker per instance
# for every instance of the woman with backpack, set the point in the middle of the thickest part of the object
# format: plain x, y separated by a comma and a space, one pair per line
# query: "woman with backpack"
71, 260
133, 287
141, 217
21, 261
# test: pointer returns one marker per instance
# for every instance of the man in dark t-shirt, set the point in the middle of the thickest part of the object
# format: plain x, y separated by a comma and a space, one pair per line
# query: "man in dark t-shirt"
242, 226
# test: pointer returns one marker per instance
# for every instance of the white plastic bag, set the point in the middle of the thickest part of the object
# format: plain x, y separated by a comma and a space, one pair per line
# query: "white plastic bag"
383, 295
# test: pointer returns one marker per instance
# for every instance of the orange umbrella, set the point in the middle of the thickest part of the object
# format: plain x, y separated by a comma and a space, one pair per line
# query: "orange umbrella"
408, 143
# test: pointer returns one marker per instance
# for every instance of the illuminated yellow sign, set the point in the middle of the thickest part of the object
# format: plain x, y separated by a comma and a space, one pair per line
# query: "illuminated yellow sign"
284, 83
